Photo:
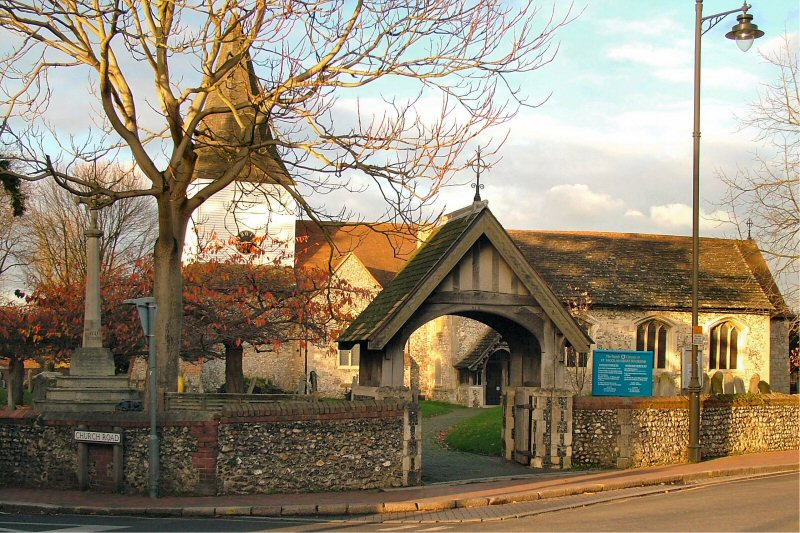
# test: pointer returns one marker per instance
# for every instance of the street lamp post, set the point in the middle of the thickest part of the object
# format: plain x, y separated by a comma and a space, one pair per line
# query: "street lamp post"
147, 315
744, 32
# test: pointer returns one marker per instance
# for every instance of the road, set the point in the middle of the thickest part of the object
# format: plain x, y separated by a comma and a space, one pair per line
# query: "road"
754, 504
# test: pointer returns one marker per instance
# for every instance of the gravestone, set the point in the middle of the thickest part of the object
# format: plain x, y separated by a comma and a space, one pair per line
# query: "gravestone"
738, 385
727, 384
706, 387
716, 383
665, 386
753, 388
764, 387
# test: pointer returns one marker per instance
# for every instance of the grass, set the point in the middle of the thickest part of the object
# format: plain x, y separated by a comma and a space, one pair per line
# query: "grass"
431, 408
481, 434
27, 398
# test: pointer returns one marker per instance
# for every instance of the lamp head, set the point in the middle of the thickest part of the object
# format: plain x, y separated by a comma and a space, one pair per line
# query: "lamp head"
744, 32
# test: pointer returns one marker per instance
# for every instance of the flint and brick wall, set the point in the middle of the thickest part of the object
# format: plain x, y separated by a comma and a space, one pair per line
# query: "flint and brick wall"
282, 447
634, 432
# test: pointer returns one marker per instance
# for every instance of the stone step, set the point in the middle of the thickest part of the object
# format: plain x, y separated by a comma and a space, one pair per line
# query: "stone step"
74, 394
93, 382
76, 406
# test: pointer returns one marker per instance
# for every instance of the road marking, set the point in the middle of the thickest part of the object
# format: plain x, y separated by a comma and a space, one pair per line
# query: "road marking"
397, 528
437, 528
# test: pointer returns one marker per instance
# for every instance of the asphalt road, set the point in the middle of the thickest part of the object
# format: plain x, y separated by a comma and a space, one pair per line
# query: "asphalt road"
753, 504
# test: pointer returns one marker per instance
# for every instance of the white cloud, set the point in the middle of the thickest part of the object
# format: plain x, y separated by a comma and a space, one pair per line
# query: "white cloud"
578, 198
645, 54
676, 216
617, 26
774, 45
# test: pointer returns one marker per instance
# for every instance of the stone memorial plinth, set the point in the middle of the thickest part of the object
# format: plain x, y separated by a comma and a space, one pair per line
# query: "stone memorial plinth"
92, 384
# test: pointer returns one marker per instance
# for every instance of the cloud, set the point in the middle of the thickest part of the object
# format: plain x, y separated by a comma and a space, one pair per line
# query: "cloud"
649, 55
618, 26
579, 199
676, 216
773, 46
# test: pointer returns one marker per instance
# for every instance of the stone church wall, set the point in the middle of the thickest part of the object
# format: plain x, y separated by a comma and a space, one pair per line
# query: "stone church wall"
616, 330
779, 362
635, 432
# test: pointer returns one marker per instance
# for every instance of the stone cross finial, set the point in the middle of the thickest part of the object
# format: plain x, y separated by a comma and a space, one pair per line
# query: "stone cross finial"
749, 225
477, 165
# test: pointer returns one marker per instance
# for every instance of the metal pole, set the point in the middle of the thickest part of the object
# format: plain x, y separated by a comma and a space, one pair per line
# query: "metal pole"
152, 447
693, 452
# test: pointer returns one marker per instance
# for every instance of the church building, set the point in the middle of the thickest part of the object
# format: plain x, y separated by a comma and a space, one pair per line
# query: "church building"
578, 292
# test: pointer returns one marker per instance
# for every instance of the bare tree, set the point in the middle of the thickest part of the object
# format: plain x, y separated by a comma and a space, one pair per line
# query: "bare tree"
768, 195
162, 72
53, 242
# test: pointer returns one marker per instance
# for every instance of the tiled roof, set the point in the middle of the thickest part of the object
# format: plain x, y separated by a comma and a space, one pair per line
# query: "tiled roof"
643, 271
483, 349
382, 248
402, 286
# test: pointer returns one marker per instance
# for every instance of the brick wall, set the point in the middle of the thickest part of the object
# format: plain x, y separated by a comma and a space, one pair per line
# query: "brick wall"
633, 432
313, 445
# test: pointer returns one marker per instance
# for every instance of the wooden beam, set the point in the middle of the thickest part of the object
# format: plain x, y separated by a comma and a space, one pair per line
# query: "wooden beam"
482, 298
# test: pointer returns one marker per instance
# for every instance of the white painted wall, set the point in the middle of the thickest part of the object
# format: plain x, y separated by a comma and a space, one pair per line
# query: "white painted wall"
264, 210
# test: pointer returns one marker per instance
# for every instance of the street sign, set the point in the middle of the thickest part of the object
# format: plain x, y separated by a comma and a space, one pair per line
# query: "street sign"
98, 437
698, 339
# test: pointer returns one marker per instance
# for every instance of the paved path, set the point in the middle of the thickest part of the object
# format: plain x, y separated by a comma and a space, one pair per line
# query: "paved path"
442, 465
483, 500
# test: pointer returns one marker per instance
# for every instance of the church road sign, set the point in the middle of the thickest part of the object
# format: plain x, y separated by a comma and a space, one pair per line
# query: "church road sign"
98, 437
622, 373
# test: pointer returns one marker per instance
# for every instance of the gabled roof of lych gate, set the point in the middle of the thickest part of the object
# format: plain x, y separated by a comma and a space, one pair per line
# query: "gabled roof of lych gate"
649, 271
387, 313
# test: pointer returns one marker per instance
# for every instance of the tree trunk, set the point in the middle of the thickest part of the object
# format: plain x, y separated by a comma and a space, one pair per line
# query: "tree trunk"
234, 376
168, 291
16, 380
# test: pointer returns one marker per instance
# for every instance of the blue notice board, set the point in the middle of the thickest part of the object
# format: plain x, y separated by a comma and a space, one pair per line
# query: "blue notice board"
622, 373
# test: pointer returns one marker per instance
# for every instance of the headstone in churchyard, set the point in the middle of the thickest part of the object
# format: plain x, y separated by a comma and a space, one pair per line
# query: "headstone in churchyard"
727, 384
665, 386
716, 383
738, 385
764, 388
706, 389
753, 388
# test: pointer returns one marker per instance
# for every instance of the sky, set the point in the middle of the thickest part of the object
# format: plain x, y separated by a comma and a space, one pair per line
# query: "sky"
611, 149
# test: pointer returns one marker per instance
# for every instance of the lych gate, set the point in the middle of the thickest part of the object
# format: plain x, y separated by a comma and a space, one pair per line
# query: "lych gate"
469, 267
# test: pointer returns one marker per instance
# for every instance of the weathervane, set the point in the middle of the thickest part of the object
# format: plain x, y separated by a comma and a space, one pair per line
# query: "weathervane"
749, 225
477, 165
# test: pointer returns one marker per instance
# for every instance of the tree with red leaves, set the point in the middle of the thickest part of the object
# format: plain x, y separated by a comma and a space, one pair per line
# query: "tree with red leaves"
47, 325
227, 304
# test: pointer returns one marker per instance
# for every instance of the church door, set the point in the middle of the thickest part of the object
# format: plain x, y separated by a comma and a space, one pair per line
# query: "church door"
494, 381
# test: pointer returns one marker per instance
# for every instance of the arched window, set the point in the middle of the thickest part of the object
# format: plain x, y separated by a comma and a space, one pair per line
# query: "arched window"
651, 335
723, 346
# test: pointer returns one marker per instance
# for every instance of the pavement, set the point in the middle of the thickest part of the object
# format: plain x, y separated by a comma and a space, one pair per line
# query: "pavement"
484, 496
